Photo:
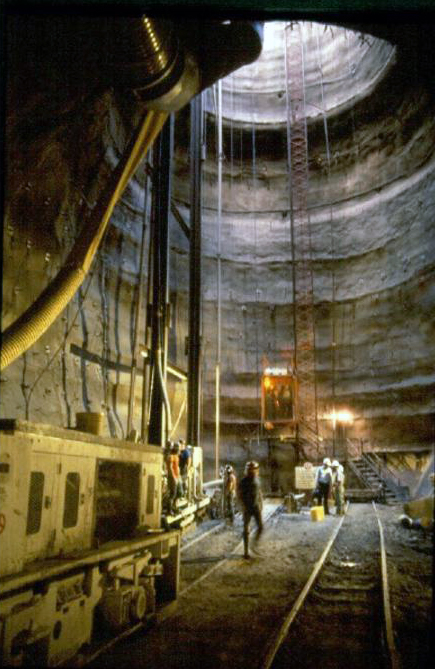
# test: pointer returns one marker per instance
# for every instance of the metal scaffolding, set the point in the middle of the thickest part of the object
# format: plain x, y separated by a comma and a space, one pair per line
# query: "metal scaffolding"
301, 239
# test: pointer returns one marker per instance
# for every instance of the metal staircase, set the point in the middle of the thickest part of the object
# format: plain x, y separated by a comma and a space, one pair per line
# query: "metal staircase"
374, 474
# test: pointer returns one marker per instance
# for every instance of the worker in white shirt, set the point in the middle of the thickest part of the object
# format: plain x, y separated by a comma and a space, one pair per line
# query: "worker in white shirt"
323, 483
338, 486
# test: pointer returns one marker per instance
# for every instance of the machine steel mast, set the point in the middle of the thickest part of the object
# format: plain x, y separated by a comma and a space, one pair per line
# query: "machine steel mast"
160, 415
194, 348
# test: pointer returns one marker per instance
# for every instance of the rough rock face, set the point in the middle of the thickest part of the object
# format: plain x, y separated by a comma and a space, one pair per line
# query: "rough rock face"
371, 206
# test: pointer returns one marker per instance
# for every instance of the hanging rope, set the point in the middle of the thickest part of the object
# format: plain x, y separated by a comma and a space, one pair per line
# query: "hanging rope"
257, 290
219, 276
331, 230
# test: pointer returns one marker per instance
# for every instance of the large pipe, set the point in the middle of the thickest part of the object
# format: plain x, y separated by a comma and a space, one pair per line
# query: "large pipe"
151, 63
162, 382
36, 320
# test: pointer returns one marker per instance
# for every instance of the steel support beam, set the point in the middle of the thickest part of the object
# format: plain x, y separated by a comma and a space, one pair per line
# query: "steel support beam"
159, 422
194, 343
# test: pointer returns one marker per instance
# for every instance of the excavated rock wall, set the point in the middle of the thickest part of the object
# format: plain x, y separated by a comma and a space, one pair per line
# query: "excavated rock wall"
371, 211
66, 129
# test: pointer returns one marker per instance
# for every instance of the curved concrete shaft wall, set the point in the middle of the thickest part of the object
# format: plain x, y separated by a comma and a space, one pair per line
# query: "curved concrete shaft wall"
64, 133
372, 212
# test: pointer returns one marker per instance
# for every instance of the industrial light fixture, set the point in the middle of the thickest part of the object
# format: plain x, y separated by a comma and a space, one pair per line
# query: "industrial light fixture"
343, 417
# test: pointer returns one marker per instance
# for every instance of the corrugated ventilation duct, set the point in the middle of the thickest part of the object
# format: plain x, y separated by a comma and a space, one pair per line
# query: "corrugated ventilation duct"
36, 320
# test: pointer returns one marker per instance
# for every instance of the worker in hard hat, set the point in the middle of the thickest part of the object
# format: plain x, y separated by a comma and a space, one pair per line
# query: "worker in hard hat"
174, 479
338, 486
229, 497
249, 492
323, 483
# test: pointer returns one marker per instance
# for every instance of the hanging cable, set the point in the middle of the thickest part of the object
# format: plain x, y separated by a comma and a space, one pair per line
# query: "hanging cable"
257, 290
232, 129
180, 413
331, 232
219, 277
59, 348
147, 369
202, 373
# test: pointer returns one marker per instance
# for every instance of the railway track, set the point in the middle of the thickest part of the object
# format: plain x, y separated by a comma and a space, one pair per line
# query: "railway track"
342, 616
196, 568
231, 544
230, 617
216, 526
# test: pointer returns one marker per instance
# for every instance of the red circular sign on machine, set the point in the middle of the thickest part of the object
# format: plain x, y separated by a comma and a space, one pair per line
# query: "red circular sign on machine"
2, 522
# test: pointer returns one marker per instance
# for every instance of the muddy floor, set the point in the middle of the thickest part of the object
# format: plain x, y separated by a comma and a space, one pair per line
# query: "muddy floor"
228, 617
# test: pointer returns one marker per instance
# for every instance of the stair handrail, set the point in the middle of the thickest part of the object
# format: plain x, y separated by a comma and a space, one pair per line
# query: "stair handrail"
356, 471
354, 450
312, 439
383, 470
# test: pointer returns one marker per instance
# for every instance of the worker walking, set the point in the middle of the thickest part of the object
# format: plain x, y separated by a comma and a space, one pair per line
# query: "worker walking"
323, 483
230, 483
249, 492
338, 486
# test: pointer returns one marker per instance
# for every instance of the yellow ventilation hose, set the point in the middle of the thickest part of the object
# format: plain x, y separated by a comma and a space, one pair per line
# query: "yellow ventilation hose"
36, 320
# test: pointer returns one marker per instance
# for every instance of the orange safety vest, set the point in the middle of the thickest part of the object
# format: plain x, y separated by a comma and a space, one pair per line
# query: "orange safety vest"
173, 465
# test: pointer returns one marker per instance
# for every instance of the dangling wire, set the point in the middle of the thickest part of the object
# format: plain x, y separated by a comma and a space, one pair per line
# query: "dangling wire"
203, 358
257, 290
219, 276
331, 231
232, 130
352, 113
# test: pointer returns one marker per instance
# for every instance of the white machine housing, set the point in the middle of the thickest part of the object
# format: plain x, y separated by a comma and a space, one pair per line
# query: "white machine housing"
80, 533
61, 491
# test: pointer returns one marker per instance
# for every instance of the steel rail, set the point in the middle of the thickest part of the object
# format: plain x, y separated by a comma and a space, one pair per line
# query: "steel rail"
82, 659
215, 528
220, 562
388, 620
277, 640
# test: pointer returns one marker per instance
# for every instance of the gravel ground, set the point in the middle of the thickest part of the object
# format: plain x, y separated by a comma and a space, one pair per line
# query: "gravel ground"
410, 563
227, 619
